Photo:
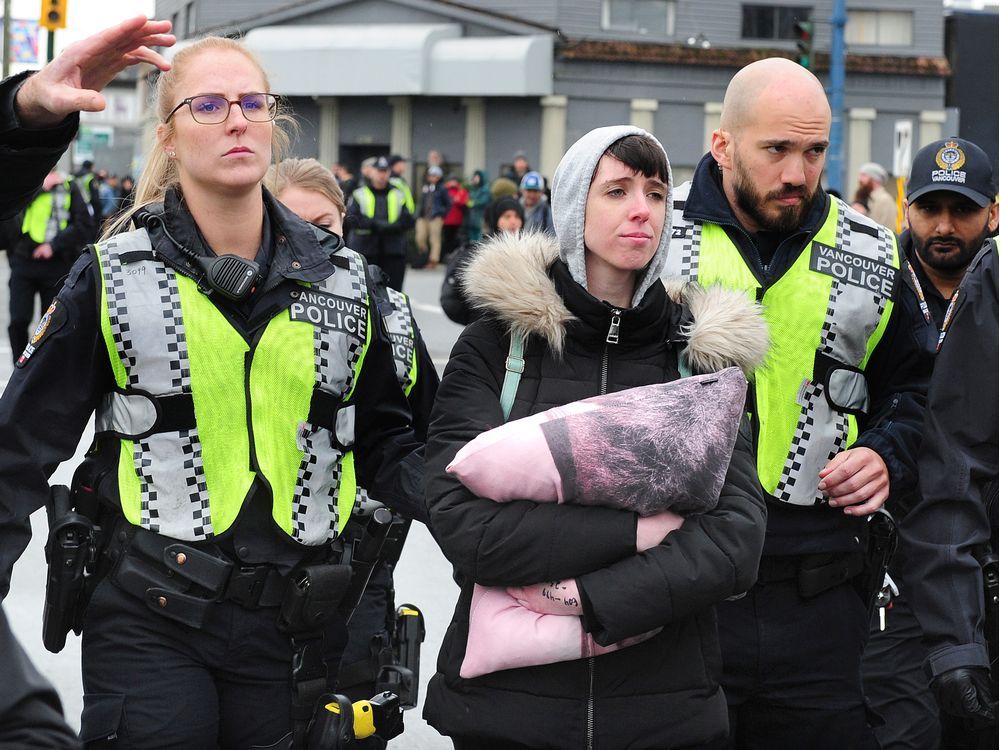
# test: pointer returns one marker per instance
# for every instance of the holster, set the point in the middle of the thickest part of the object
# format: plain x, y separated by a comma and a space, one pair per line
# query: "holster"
991, 596
317, 593
402, 677
71, 553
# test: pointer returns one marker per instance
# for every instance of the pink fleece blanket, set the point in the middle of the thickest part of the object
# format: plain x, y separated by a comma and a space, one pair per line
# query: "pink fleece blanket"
655, 448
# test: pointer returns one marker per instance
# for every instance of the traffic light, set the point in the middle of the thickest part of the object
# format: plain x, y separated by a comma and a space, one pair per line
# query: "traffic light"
53, 15
804, 43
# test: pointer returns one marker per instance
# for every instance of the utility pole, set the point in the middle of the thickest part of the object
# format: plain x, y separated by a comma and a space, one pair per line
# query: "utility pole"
835, 159
6, 38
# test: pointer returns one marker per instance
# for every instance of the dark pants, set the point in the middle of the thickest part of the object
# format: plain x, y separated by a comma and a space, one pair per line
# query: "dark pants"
151, 683
393, 266
29, 277
792, 668
895, 683
366, 633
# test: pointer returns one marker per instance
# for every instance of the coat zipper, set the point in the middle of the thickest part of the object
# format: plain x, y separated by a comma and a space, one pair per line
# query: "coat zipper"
610, 339
590, 704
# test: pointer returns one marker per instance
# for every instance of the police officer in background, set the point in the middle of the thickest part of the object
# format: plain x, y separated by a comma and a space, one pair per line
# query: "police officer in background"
378, 217
58, 224
834, 409
933, 650
37, 123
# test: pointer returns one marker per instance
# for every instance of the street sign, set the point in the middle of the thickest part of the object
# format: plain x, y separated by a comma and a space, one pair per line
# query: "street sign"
902, 148
23, 41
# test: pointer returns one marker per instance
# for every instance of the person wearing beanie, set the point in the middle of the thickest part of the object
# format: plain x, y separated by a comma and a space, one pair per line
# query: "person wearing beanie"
871, 192
501, 187
563, 295
503, 215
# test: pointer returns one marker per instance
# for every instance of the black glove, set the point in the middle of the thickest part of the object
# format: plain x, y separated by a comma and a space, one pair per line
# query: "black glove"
965, 692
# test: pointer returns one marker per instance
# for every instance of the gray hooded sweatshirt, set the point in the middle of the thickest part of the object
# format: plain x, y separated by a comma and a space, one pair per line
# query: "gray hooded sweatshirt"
570, 187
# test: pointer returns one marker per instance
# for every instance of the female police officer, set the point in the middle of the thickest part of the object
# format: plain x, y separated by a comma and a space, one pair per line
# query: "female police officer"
311, 191
243, 392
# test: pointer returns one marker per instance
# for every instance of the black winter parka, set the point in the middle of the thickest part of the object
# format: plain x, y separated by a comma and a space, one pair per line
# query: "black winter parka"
658, 694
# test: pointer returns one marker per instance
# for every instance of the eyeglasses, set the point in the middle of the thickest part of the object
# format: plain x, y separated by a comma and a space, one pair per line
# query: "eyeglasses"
212, 109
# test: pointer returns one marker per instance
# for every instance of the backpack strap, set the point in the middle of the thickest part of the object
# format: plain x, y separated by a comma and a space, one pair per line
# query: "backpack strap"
514, 367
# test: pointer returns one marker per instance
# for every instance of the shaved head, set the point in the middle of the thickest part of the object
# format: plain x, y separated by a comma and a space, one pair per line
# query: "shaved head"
771, 144
765, 84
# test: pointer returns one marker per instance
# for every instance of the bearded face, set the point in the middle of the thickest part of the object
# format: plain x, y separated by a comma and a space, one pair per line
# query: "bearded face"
948, 229
782, 211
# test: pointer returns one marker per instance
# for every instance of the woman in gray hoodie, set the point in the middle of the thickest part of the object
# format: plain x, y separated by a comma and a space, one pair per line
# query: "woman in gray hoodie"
596, 318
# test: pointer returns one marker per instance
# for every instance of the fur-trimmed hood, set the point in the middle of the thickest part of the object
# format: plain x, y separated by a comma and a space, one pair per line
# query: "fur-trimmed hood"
508, 278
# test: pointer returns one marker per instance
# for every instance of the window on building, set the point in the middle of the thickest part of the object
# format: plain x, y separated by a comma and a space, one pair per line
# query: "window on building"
191, 18
883, 28
639, 16
773, 21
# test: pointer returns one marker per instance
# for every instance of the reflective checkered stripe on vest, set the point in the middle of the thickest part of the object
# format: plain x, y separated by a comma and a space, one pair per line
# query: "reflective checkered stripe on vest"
826, 314
365, 199
199, 411
403, 336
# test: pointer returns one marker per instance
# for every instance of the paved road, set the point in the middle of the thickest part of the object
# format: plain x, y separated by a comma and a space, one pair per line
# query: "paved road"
423, 577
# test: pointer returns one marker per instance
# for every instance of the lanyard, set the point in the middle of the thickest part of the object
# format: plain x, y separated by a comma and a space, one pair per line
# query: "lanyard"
949, 313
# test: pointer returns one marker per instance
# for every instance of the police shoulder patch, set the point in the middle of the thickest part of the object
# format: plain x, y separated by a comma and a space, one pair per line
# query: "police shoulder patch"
53, 319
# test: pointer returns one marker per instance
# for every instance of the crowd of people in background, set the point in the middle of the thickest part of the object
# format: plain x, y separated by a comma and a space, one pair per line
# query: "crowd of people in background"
439, 219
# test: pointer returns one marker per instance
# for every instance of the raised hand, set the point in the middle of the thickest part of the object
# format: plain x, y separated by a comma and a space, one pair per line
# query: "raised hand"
73, 80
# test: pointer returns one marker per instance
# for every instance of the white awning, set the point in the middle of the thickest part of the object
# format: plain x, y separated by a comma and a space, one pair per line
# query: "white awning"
401, 59
492, 66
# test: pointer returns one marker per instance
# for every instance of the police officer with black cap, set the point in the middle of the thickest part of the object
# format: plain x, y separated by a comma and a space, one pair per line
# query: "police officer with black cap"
378, 216
934, 629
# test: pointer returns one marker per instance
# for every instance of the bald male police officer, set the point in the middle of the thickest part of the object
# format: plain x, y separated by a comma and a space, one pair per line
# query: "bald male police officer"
835, 410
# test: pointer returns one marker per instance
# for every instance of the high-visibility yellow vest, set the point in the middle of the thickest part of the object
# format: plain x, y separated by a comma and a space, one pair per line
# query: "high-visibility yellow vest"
200, 412
48, 213
365, 198
403, 334
826, 314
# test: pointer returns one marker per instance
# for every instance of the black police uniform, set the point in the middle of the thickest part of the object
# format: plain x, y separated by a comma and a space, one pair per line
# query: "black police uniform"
792, 662
369, 637
30, 712
150, 681
382, 242
30, 276
936, 623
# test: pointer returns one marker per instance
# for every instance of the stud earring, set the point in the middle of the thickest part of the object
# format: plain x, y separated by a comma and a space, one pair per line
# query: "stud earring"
172, 154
